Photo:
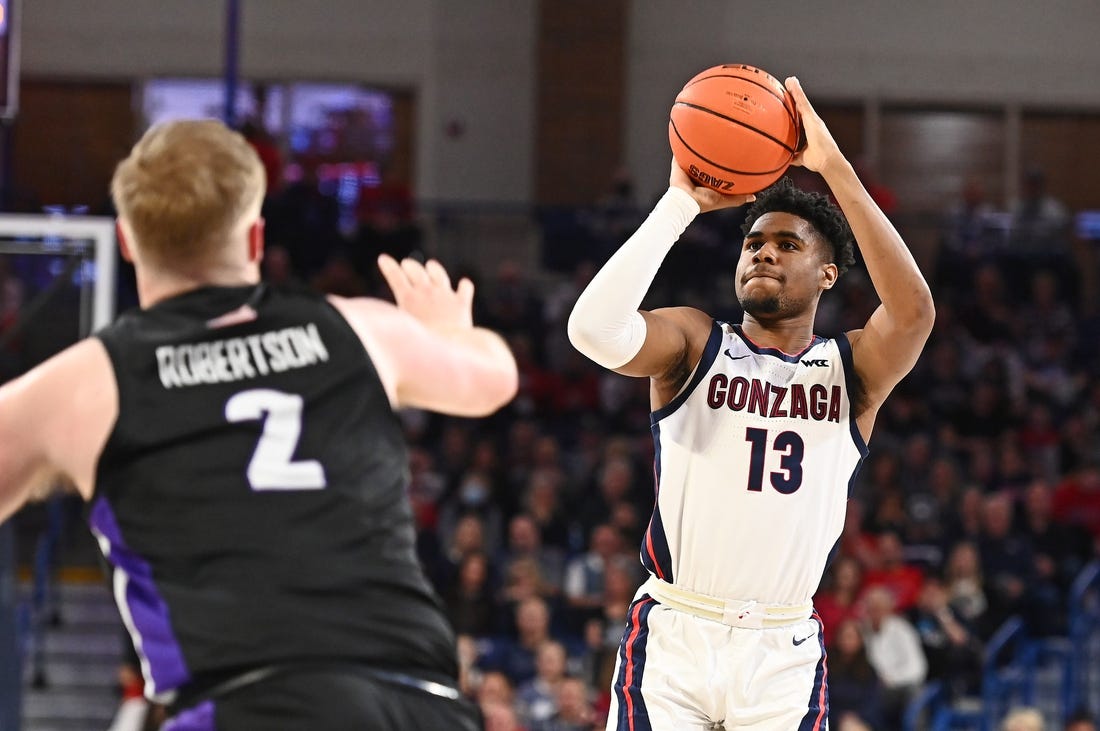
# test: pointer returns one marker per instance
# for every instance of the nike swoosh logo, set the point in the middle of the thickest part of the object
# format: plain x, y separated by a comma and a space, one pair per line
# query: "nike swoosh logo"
731, 356
796, 642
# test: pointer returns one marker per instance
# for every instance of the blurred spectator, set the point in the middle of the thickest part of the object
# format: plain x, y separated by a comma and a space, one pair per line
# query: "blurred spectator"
837, 602
1061, 548
384, 213
522, 581
893, 574
616, 214
855, 541
1077, 498
1023, 719
467, 537
538, 697
965, 523
585, 575
615, 484
501, 717
543, 504
1040, 230
270, 156
469, 598
881, 193
1080, 721
495, 687
852, 722
557, 304
952, 649
854, 685
496, 698
575, 711
510, 303
425, 488
305, 220
514, 655
277, 267
965, 586
969, 236
469, 674
894, 650
11, 305
1006, 558
1040, 441
525, 542
472, 501
985, 310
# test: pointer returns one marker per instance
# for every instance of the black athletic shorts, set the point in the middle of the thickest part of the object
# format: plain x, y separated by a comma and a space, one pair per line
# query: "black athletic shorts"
329, 699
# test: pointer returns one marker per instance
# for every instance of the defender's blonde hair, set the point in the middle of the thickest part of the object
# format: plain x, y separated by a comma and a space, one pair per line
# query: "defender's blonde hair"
185, 188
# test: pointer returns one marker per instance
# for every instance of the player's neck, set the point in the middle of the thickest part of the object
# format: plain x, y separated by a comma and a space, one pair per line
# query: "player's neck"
154, 287
790, 335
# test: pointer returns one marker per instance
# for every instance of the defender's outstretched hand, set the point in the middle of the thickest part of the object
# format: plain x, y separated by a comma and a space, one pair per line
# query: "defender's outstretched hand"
707, 198
821, 149
424, 291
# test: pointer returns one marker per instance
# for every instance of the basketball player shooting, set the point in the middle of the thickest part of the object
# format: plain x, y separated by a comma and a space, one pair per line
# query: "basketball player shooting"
760, 428
244, 469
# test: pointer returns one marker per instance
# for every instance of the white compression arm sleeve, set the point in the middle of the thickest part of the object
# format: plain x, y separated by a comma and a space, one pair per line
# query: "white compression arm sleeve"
605, 324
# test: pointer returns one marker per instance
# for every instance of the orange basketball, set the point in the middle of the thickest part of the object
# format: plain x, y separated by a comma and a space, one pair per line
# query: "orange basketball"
734, 128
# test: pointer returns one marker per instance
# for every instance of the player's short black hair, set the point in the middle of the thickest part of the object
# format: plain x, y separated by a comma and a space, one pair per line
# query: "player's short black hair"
822, 214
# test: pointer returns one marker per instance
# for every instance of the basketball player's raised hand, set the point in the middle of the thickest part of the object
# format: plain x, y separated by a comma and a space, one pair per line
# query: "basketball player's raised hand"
821, 149
425, 292
707, 198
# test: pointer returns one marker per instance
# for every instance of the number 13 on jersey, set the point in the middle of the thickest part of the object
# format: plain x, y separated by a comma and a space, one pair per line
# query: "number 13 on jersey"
791, 448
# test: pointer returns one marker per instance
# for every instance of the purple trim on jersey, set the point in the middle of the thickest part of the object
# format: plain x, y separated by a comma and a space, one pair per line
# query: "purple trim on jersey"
199, 718
155, 640
633, 715
845, 349
775, 352
817, 709
710, 352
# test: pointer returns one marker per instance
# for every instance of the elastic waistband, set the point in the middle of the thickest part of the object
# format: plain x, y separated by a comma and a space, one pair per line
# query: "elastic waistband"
748, 614
247, 678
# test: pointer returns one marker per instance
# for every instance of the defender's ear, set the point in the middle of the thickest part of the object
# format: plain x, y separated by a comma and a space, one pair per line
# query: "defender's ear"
256, 240
123, 242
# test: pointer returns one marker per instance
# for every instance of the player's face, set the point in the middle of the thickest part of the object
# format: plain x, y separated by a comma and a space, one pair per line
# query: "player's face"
784, 266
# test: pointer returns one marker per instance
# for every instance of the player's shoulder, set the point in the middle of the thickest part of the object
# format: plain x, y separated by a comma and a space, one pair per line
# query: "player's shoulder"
47, 389
691, 315
367, 313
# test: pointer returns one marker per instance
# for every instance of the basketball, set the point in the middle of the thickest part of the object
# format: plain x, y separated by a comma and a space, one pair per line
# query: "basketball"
734, 128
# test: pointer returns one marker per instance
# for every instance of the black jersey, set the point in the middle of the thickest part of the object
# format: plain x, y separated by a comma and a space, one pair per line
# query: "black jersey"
251, 497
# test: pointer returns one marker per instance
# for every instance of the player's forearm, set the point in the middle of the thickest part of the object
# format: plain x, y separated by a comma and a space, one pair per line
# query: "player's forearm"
898, 281
605, 324
492, 379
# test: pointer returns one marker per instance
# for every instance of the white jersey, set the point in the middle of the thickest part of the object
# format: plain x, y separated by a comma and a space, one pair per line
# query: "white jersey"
755, 459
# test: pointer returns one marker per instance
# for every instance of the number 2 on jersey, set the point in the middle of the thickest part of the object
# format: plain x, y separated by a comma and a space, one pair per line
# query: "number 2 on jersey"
790, 462
272, 466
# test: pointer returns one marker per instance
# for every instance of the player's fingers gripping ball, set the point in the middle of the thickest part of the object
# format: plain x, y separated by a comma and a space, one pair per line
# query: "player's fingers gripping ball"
734, 128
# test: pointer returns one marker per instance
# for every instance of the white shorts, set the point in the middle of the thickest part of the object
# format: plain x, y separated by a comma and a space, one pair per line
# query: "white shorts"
679, 672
